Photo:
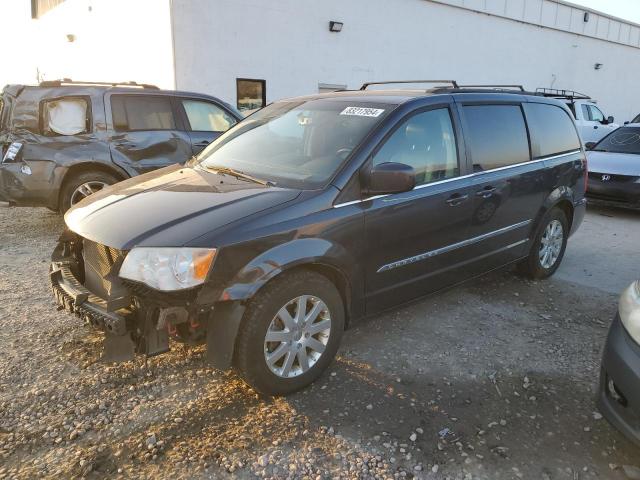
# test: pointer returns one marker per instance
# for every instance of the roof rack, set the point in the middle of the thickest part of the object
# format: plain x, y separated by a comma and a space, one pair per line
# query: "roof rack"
368, 84
495, 87
568, 94
68, 81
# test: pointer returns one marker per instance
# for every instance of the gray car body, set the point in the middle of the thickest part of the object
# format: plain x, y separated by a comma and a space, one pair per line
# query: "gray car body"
52, 159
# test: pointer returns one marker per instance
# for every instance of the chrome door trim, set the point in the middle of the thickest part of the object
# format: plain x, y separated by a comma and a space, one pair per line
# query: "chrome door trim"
453, 246
440, 182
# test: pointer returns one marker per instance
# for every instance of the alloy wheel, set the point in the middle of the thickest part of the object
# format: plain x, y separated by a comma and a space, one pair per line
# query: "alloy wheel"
551, 244
86, 189
297, 336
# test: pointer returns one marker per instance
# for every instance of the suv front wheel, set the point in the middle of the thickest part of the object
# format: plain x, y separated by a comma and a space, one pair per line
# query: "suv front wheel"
290, 333
80, 186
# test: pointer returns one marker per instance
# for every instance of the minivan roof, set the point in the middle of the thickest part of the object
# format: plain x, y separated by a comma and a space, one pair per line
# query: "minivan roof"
399, 96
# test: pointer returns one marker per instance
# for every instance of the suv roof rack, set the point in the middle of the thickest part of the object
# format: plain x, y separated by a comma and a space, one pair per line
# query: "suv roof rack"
68, 81
495, 87
568, 94
391, 82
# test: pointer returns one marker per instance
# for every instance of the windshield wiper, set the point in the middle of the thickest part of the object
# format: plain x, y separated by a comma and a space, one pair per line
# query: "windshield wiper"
238, 174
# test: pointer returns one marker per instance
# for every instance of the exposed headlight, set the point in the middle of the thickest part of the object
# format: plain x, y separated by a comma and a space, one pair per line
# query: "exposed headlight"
629, 309
168, 269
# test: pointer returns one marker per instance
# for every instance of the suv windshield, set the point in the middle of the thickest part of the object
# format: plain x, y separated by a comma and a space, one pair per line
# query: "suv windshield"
295, 144
622, 140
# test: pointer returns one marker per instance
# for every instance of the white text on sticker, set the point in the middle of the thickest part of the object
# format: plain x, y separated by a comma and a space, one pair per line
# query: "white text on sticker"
362, 111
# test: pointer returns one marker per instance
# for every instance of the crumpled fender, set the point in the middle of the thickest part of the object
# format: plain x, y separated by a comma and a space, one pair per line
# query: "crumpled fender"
295, 253
226, 319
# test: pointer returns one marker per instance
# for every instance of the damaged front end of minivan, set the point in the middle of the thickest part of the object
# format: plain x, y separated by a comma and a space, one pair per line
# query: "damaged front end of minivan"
88, 280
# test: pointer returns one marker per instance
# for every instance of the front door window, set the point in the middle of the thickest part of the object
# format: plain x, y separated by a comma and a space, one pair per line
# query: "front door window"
425, 142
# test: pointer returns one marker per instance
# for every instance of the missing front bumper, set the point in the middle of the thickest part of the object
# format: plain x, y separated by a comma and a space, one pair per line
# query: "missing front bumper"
141, 322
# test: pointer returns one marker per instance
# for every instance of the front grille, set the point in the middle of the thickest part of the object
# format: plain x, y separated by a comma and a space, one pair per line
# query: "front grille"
101, 265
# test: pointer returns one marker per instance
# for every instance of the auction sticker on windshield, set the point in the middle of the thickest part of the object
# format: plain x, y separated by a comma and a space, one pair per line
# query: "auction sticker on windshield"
362, 111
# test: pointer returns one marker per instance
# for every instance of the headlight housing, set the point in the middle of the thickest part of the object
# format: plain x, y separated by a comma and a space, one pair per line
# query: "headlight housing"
629, 309
168, 269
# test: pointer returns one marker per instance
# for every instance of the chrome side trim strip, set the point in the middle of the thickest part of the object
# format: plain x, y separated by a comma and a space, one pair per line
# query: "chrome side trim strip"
419, 187
553, 157
453, 246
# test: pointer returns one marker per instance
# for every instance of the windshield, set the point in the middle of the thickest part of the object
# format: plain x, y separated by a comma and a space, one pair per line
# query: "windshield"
622, 140
295, 144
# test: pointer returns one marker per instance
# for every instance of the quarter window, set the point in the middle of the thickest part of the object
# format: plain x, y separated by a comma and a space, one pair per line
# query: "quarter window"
425, 142
65, 116
497, 135
207, 117
142, 112
552, 130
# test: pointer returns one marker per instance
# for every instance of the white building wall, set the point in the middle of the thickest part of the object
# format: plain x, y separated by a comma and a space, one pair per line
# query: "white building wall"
288, 43
113, 40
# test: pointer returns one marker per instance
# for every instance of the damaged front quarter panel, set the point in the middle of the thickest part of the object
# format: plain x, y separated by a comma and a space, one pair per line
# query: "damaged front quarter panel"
134, 318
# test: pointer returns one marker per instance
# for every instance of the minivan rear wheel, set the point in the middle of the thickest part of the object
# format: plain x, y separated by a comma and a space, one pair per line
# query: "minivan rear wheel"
290, 333
547, 249
80, 186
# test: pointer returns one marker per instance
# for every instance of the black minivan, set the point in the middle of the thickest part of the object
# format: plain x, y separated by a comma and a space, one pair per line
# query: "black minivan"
316, 212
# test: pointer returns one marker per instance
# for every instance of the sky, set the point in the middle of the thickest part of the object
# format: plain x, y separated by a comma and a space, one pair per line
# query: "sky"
627, 9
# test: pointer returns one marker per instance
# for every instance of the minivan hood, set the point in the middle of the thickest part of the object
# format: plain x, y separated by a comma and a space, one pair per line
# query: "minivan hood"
169, 207
614, 163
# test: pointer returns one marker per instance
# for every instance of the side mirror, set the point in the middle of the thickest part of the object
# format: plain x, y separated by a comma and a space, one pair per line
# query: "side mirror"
13, 154
590, 145
390, 177
627, 122
610, 120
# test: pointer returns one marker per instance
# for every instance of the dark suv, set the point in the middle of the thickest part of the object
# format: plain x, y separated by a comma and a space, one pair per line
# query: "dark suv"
315, 212
61, 141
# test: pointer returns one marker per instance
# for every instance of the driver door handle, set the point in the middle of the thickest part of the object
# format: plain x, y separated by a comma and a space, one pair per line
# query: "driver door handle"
486, 192
457, 199
203, 143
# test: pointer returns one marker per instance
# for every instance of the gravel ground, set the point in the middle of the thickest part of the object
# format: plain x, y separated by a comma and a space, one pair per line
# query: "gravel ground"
491, 380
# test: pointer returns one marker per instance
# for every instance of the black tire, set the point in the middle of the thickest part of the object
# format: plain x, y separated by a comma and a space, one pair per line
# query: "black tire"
71, 184
249, 356
532, 266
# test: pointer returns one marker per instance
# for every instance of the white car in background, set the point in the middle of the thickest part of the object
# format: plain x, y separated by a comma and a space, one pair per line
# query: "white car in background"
591, 122
614, 166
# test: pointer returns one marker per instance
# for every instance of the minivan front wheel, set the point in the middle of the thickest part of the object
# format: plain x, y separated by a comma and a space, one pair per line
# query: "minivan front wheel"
548, 246
290, 333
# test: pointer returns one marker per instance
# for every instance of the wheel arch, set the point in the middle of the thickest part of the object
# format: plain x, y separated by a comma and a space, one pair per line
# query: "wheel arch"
89, 166
562, 198
315, 254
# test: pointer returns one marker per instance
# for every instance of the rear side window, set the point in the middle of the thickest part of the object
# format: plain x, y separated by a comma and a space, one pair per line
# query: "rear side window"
207, 117
552, 130
142, 112
65, 116
497, 135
